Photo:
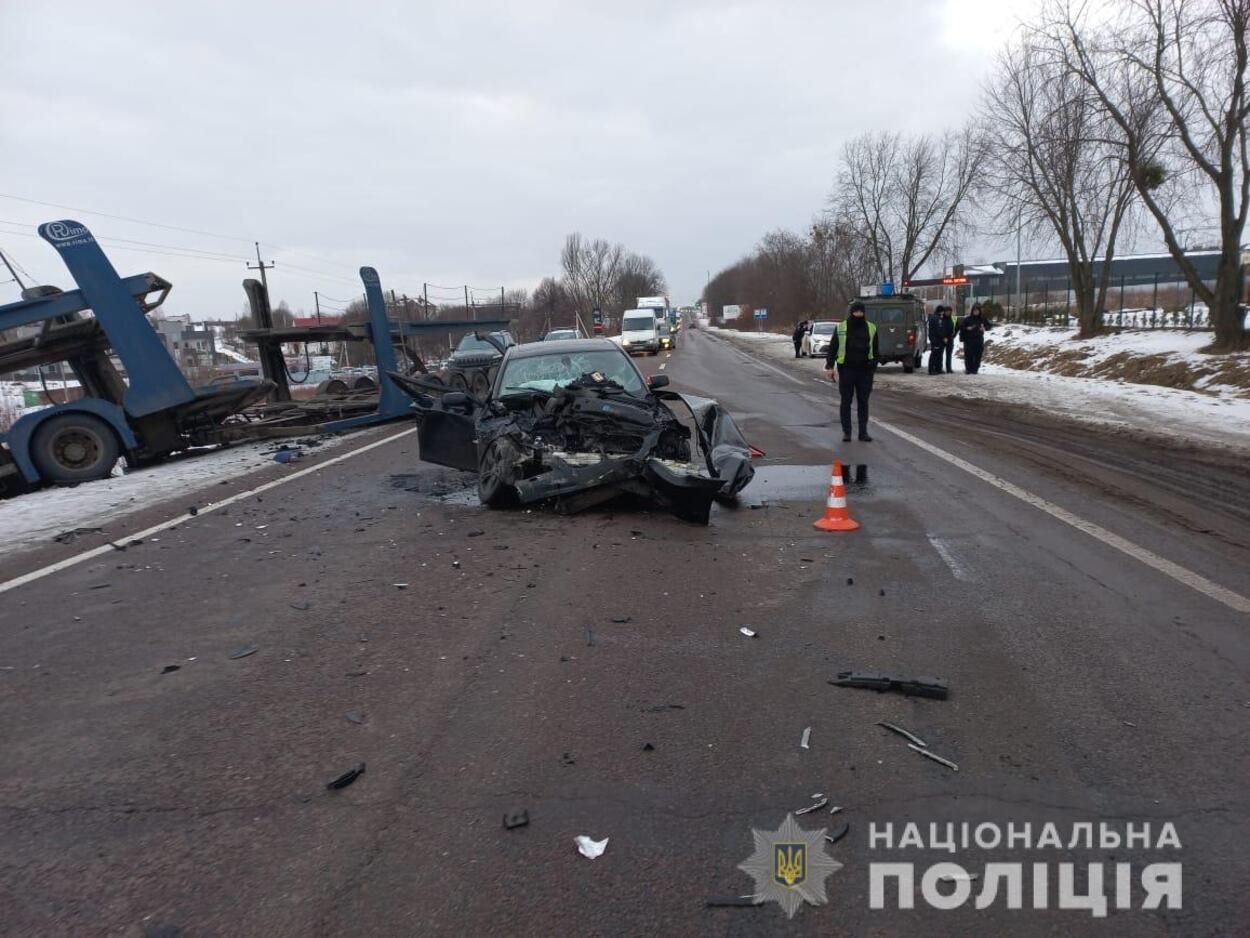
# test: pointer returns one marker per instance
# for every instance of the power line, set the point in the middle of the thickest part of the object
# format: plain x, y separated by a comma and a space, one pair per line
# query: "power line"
137, 221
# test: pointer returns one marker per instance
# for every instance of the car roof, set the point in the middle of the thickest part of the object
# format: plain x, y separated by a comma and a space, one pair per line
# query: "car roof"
562, 346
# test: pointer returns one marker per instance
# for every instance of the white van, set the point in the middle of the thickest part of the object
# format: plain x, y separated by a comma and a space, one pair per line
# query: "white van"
640, 332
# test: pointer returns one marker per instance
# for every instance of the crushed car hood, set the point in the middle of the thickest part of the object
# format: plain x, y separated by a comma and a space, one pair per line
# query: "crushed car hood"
591, 441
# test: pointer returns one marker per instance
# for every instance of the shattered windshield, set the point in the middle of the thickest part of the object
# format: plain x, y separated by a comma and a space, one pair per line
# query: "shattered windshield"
548, 372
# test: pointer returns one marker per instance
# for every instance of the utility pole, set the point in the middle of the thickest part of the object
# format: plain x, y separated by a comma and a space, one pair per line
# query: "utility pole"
501, 302
317, 302
425, 307
262, 267
1019, 225
466, 302
12, 272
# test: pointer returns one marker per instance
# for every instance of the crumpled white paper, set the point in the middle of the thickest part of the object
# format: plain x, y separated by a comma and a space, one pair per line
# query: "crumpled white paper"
590, 848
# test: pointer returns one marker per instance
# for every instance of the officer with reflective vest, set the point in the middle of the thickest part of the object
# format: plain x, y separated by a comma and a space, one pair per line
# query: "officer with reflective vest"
854, 353
951, 331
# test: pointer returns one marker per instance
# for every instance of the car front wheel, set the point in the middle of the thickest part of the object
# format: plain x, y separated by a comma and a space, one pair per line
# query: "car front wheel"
496, 475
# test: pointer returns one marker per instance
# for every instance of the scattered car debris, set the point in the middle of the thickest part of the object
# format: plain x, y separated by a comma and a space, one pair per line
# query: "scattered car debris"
882, 592
813, 807
647, 747
567, 759
621, 620
911, 686
346, 778
243, 652
1127, 723
515, 819
807, 738
355, 716
590, 636
747, 632
68, 537
835, 809
660, 708
170, 668
400, 586
285, 456
589, 848
850, 581
474, 533
717, 902
902, 732
193, 511
934, 756
99, 586
301, 605
839, 833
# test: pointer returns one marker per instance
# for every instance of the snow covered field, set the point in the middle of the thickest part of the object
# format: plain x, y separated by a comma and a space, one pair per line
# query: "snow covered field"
1216, 414
33, 519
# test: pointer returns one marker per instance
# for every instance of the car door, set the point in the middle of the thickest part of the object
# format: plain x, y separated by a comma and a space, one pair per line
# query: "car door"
447, 431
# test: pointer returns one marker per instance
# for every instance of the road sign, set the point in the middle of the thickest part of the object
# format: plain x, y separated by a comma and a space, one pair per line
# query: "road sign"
761, 314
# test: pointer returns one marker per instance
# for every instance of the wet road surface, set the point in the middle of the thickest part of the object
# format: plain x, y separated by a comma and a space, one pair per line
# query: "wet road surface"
590, 671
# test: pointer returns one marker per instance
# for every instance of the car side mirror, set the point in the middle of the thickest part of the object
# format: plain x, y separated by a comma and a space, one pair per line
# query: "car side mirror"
657, 381
456, 399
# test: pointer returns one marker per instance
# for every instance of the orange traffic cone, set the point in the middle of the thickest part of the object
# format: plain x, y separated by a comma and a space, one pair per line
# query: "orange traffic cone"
836, 517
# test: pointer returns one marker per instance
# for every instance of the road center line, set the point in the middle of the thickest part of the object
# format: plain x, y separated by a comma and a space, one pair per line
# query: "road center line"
182, 519
1178, 573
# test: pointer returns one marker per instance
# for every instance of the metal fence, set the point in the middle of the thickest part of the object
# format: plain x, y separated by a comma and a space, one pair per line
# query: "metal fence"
1195, 318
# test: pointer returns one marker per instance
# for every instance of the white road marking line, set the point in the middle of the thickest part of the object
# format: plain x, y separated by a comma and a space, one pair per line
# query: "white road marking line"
958, 570
182, 519
1178, 573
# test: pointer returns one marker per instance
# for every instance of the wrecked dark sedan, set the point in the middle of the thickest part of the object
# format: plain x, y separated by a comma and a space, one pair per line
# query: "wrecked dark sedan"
575, 422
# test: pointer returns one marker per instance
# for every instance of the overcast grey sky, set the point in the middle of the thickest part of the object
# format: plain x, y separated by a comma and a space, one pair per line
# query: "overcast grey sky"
453, 142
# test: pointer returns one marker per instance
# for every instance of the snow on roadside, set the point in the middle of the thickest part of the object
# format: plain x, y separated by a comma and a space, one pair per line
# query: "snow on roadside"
33, 519
1220, 419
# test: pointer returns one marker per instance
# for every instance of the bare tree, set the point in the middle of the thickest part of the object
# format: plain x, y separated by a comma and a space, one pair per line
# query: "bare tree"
591, 268
637, 276
1052, 166
909, 197
1171, 76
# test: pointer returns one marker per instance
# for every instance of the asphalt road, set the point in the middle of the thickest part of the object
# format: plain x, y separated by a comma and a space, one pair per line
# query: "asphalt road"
589, 670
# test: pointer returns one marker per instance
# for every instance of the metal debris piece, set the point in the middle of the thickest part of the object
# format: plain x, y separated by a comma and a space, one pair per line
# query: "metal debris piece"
911, 686
515, 819
590, 848
810, 808
346, 778
934, 756
1127, 723
301, 605
68, 537
243, 652
839, 833
717, 902
902, 732
807, 738
400, 586
355, 716
747, 632
835, 809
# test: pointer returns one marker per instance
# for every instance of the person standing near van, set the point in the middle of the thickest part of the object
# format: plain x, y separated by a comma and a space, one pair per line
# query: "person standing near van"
972, 333
799, 331
853, 352
952, 328
937, 325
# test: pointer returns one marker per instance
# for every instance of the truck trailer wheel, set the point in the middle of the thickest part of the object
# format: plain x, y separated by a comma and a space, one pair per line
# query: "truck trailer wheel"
74, 448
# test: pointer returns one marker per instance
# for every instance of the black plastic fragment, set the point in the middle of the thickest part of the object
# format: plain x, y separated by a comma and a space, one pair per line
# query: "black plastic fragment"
839, 833
930, 687
170, 668
346, 778
515, 819
647, 747
355, 716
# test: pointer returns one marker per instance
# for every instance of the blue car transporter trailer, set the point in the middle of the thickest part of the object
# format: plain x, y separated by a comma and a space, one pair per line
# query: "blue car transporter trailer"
146, 415
344, 411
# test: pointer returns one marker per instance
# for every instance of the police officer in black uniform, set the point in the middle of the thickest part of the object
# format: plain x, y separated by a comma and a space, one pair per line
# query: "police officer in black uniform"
972, 333
853, 351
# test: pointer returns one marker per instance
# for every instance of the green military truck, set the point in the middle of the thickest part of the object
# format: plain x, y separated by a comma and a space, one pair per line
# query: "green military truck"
902, 335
